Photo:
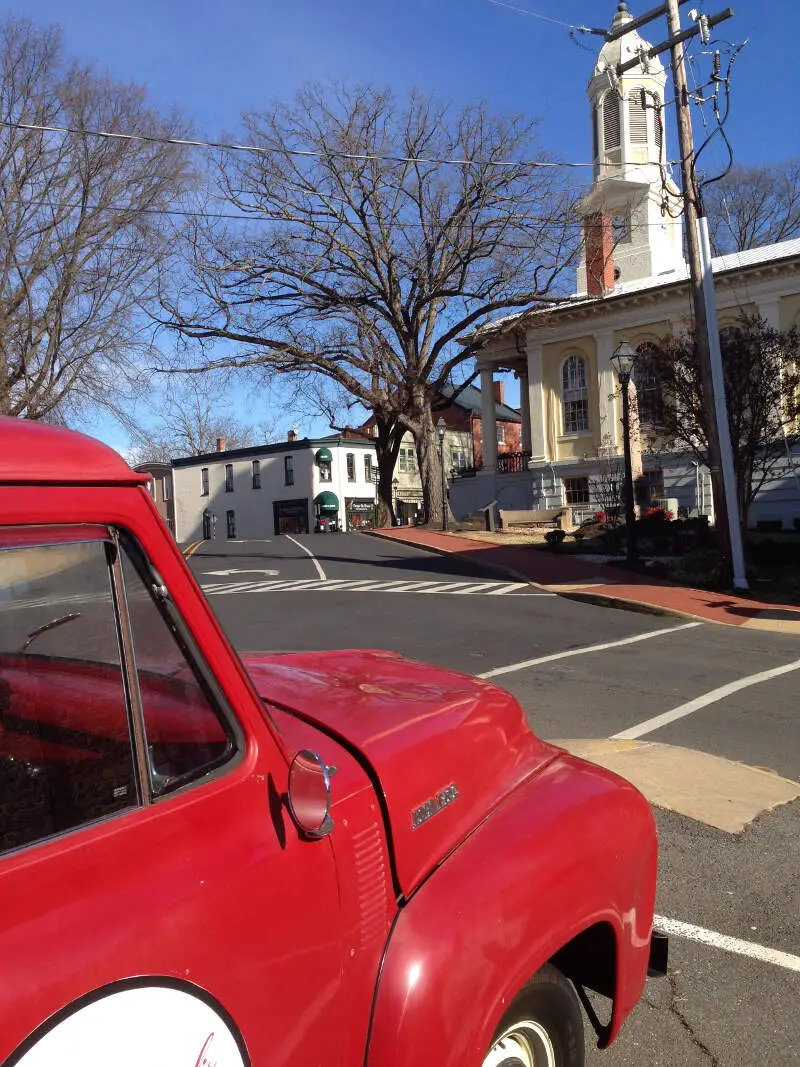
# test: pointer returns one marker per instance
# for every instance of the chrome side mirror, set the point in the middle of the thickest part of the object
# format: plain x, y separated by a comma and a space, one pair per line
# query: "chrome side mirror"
309, 794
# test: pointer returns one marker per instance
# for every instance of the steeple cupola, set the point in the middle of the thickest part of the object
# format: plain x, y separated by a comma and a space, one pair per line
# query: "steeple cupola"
632, 228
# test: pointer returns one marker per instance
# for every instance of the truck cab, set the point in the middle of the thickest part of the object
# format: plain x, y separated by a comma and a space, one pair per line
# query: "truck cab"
327, 859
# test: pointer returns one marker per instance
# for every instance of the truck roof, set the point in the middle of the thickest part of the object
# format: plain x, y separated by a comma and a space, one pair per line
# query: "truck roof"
49, 455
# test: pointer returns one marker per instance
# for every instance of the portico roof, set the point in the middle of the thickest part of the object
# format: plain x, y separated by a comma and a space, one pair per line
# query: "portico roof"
752, 259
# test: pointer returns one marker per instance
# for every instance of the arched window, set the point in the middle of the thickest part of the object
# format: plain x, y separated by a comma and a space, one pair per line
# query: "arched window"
595, 133
611, 123
649, 390
637, 115
574, 396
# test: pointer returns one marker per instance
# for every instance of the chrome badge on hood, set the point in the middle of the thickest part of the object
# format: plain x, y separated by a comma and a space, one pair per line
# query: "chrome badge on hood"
433, 806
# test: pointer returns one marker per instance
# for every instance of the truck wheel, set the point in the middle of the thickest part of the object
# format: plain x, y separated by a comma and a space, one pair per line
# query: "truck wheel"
542, 1028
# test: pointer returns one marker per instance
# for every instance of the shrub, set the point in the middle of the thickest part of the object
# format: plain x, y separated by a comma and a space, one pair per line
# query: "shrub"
555, 537
658, 515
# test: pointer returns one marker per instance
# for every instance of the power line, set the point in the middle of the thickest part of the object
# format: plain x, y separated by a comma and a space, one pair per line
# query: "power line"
307, 153
544, 18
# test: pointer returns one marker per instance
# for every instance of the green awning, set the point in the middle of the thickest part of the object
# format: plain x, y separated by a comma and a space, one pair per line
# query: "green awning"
323, 455
327, 502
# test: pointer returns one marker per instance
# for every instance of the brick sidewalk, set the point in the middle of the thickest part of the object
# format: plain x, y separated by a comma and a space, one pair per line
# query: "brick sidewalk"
599, 583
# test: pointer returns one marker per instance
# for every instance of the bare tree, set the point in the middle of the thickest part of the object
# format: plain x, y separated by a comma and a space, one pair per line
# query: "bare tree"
191, 419
80, 226
370, 256
762, 384
754, 206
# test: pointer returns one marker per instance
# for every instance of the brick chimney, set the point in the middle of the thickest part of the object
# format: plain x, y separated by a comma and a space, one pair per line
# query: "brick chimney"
498, 392
599, 245
291, 435
220, 444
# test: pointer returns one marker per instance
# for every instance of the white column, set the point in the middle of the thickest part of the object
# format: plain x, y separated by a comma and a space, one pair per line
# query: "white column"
525, 409
610, 431
771, 311
488, 420
536, 404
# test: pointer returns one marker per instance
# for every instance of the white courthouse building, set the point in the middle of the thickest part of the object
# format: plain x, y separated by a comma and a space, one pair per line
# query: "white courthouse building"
265, 490
632, 286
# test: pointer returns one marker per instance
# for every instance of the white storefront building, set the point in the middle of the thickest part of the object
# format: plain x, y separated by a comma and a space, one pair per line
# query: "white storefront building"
295, 486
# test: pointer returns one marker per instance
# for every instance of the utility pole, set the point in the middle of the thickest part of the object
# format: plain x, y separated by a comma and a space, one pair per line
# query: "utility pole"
720, 454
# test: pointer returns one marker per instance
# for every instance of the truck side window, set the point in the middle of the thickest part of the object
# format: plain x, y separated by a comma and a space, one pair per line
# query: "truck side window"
186, 737
66, 756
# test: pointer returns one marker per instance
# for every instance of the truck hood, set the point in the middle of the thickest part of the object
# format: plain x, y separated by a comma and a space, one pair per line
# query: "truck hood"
443, 748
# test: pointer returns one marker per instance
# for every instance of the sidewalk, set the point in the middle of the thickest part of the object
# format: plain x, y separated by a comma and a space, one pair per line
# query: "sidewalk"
596, 583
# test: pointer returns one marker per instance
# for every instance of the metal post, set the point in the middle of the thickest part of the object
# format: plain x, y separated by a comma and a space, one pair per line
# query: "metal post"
723, 427
630, 508
444, 485
715, 406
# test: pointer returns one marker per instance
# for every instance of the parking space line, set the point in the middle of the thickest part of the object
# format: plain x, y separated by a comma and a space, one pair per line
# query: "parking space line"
521, 666
676, 928
666, 717
310, 554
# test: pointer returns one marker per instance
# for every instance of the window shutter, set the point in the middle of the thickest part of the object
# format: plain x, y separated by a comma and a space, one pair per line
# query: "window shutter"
610, 121
637, 116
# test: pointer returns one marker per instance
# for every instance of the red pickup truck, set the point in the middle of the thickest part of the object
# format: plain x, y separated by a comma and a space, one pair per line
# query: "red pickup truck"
338, 859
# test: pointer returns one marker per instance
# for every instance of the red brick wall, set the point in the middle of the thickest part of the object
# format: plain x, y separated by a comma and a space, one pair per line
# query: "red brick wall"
512, 443
599, 245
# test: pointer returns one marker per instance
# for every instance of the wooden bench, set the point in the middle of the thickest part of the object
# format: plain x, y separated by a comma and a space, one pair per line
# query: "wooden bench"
551, 518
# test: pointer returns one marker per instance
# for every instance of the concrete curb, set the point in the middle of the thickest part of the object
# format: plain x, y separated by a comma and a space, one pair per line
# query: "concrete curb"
604, 600
490, 569
640, 607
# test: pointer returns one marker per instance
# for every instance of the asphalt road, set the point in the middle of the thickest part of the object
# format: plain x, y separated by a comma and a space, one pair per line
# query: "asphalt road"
344, 591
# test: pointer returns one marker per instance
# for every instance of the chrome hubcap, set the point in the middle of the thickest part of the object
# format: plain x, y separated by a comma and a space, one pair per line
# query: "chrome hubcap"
525, 1044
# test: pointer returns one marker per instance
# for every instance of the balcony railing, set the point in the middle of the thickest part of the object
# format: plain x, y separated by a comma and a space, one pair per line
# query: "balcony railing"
512, 462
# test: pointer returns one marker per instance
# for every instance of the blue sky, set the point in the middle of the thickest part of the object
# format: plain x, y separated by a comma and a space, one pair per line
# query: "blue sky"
212, 61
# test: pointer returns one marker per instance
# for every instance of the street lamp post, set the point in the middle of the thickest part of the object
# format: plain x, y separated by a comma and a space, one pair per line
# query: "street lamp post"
395, 486
440, 428
623, 360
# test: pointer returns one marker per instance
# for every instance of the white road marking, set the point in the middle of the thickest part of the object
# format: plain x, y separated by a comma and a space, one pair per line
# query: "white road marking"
239, 570
310, 554
510, 587
728, 944
666, 717
523, 664
365, 585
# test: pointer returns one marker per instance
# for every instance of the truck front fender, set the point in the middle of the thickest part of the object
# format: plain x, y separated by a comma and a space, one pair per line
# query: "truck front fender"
572, 850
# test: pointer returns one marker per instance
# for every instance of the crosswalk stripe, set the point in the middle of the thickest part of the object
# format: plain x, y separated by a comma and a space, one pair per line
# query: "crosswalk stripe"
372, 585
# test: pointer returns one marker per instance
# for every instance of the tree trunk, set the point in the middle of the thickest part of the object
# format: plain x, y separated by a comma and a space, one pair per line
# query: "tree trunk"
387, 447
430, 468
